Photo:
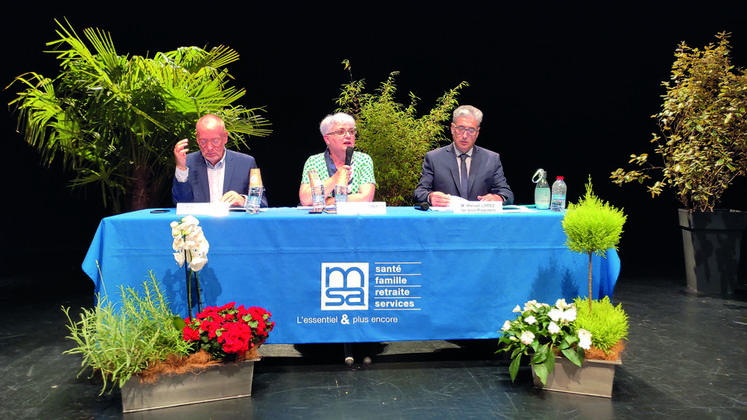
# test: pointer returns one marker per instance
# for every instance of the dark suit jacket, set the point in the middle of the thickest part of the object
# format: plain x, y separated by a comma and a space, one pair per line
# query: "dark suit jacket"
197, 187
441, 173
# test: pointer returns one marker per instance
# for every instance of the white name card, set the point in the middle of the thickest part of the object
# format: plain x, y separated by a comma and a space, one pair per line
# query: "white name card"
204, 209
358, 208
479, 207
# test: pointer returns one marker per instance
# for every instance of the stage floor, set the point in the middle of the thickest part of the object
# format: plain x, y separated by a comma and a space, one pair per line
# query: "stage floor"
686, 358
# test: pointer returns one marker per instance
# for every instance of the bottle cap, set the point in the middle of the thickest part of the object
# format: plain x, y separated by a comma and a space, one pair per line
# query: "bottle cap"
560, 177
255, 178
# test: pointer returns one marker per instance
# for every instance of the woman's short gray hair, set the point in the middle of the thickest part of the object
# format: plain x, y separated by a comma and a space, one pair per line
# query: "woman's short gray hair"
333, 119
468, 111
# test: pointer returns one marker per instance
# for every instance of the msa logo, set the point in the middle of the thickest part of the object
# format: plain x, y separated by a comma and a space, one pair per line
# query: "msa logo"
344, 286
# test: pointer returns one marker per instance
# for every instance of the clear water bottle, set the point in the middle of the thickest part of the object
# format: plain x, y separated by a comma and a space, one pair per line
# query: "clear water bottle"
317, 192
541, 190
341, 193
256, 189
254, 199
559, 190
341, 190
317, 198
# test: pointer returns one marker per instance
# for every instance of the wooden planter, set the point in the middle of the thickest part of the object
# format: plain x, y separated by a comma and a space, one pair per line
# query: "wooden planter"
595, 377
213, 383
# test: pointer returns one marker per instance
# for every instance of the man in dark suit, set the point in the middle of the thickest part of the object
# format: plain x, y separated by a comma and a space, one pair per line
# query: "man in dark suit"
214, 174
461, 168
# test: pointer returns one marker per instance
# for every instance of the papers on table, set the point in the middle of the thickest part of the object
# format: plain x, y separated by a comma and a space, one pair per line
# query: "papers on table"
204, 209
359, 208
353, 208
461, 206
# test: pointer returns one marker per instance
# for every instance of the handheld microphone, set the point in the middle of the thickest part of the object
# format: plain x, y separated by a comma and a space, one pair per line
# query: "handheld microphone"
422, 206
349, 155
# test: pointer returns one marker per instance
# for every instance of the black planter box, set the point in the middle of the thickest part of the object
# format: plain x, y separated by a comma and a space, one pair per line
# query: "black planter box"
712, 244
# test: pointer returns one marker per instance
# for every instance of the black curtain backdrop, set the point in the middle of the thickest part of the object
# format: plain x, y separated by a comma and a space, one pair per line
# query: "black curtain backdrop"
566, 87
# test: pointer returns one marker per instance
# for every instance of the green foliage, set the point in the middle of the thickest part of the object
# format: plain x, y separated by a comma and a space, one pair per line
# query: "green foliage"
703, 124
539, 331
394, 136
114, 119
608, 324
593, 225
120, 342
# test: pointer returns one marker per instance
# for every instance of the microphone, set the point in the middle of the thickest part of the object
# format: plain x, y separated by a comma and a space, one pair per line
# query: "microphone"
422, 206
349, 155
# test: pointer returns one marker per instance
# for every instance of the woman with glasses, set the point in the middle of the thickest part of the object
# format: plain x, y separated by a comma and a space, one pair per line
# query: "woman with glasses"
461, 168
338, 131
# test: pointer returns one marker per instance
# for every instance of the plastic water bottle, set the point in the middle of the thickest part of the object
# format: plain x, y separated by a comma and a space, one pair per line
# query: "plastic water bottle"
317, 192
256, 188
341, 193
341, 190
559, 190
541, 190
317, 198
254, 200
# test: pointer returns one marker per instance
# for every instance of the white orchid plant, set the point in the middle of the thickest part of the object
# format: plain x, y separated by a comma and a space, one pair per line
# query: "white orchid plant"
190, 246
541, 331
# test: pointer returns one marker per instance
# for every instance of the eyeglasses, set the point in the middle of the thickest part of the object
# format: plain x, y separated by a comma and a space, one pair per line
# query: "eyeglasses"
215, 141
342, 131
469, 130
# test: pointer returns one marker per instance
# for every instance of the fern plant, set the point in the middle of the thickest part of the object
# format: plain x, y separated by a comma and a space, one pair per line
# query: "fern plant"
121, 342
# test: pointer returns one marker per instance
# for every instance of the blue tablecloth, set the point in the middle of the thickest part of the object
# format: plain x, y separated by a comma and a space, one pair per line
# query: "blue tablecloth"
406, 275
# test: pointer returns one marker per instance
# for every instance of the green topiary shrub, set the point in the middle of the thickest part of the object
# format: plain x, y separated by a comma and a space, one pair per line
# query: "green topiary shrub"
608, 324
592, 226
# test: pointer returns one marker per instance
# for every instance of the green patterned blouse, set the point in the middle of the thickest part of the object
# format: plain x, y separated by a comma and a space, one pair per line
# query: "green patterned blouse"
363, 172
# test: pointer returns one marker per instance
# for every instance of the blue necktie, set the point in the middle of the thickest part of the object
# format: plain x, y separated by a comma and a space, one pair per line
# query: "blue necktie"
463, 175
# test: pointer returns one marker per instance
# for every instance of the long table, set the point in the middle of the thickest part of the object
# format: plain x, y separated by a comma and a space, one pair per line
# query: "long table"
405, 275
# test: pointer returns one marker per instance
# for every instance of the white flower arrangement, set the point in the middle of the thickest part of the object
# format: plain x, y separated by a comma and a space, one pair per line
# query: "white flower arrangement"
190, 246
541, 330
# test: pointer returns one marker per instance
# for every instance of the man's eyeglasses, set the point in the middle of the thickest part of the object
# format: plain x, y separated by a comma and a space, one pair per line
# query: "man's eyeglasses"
215, 141
469, 130
342, 131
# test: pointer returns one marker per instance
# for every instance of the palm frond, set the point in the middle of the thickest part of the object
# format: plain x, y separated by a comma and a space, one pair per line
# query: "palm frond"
114, 118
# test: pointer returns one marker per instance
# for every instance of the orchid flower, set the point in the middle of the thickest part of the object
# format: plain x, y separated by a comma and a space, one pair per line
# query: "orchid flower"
190, 247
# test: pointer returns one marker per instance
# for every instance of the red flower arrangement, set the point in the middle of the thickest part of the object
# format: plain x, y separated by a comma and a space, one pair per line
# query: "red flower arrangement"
228, 332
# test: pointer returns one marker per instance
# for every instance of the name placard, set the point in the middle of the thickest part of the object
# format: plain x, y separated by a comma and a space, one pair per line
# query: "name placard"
205, 209
358, 208
479, 207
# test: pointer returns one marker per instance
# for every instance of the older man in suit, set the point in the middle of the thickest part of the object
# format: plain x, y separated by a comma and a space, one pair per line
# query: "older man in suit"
461, 168
214, 174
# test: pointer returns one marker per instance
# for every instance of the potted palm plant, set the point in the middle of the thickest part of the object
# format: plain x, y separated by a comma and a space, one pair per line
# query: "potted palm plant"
702, 147
114, 119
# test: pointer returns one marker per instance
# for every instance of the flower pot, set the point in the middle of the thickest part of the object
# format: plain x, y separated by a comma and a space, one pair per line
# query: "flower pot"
212, 383
712, 242
594, 377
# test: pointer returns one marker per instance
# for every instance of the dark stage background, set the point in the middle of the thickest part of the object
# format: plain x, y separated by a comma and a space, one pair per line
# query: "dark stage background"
567, 87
